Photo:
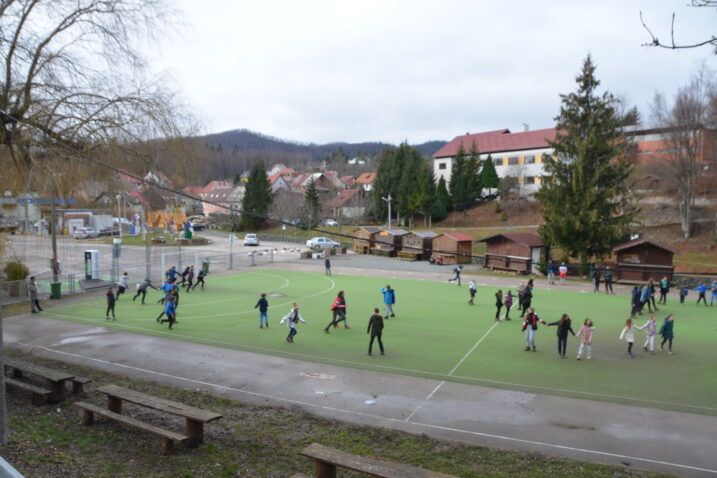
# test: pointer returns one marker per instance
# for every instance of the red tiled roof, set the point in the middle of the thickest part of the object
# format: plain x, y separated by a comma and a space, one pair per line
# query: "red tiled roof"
128, 179
212, 185
342, 198
459, 236
273, 178
347, 180
366, 178
526, 238
639, 241
284, 171
299, 180
498, 141
139, 197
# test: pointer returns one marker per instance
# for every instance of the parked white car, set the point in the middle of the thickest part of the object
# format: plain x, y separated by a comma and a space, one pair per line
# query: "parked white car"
330, 223
86, 233
322, 243
251, 240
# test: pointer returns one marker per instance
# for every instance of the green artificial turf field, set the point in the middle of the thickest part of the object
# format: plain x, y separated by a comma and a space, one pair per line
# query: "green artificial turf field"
437, 334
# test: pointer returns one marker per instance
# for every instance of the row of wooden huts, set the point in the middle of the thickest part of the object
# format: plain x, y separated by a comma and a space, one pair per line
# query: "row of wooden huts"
637, 260
448, 248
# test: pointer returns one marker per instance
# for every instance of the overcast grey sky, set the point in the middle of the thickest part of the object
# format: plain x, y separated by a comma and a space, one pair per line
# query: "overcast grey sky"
394, 70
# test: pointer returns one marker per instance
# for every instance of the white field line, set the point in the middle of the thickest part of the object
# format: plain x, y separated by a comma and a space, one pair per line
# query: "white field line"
383, 418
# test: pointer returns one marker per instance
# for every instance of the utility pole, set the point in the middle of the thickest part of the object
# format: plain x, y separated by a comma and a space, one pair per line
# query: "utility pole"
388, 200
3, 407
53, 227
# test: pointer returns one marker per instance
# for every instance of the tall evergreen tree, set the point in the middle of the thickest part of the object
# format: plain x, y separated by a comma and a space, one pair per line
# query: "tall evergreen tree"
257, 197
311, 212
442, 195
586, 197
388, 177
464, 178
488, 175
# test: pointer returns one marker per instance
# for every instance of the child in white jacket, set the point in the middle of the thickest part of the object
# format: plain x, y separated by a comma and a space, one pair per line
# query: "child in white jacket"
628, 334
586, 333
651, 326
293, 317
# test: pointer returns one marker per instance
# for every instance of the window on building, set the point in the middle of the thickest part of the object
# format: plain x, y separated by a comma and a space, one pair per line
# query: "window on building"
441, 165
529, 180
529, 160
498, 162
513, 160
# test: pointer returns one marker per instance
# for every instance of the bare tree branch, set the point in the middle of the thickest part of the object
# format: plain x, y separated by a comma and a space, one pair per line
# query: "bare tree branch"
673, 45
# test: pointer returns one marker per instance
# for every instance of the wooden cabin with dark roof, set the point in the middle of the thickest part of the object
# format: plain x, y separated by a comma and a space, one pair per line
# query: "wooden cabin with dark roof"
364, 239
640, 259
517, 252
452, 248
417, 245
388, 242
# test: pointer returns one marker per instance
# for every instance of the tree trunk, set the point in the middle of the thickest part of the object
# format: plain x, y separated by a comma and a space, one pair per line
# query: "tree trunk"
3, 411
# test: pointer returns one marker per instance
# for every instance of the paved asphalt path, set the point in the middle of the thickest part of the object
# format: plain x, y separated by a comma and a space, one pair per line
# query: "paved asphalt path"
679, 443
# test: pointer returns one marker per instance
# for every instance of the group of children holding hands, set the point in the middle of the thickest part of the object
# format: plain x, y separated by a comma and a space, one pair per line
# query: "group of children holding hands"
338, 310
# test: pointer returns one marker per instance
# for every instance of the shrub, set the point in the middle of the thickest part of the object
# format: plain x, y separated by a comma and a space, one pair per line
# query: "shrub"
16, 270
498, 209
503, 216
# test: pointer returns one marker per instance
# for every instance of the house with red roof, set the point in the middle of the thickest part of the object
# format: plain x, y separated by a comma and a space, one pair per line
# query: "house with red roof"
365, 181
278, 182
518, 155
350, 203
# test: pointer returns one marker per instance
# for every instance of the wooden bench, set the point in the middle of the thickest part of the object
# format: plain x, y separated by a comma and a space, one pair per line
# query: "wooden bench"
327, 459
78, 385
168, 437
158, 240
54, 379
39, 395
408, 256
195, 417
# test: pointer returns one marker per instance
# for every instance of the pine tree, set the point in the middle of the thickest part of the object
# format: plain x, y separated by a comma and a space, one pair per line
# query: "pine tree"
311, 212
257, 197
464, 178
586, 197
442, 195
488, 175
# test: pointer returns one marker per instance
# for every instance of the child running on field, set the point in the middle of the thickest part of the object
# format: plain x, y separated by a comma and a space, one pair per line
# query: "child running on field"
263, 305
292, 318
683, 294
628, 334
110, 304
586, 333
472, 291
667, 332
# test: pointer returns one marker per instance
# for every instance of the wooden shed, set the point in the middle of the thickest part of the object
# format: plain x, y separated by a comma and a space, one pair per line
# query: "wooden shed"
640, 259
388, 242
518, 252
453, 248
417, 245
364, 238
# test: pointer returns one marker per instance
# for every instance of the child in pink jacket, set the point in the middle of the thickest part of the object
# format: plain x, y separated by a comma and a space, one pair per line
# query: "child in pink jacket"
651, 326
586, 333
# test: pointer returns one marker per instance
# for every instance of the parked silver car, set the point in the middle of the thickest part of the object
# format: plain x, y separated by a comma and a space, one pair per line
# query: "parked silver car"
322, 243
86, 233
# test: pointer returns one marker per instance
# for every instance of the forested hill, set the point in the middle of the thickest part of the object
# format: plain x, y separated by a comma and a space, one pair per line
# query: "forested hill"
245, 141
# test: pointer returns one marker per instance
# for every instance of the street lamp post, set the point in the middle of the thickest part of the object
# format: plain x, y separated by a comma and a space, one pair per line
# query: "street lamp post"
388, 200
119, 214
704, 191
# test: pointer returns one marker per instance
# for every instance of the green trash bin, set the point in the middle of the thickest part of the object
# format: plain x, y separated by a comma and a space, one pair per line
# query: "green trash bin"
205, 267
55, 290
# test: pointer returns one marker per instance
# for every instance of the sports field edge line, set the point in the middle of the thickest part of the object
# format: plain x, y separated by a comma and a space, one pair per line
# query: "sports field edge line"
378, 417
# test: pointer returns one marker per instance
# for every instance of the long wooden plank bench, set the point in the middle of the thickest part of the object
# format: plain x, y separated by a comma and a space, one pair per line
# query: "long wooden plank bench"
195, 417
168, 436
54, 379
328, 459
39, 394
